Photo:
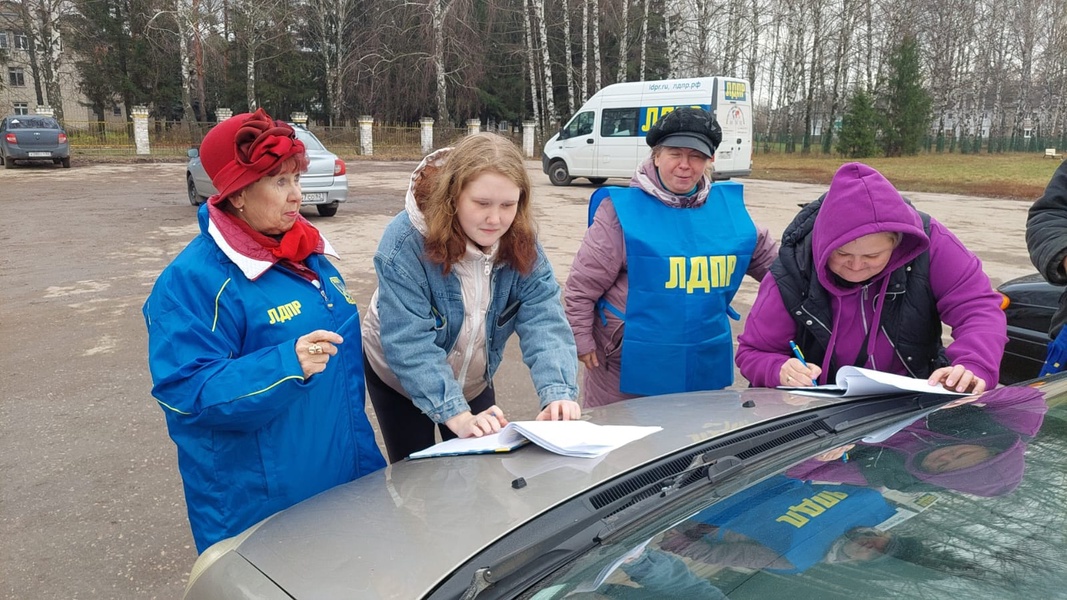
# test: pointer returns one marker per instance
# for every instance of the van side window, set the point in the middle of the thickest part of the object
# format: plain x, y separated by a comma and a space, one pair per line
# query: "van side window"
619, 122
581, 124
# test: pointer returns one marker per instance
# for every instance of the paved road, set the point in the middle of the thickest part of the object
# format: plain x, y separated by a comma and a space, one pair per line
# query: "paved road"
90, 500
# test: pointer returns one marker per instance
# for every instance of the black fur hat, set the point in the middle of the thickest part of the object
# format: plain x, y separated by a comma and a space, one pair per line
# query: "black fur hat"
686, 127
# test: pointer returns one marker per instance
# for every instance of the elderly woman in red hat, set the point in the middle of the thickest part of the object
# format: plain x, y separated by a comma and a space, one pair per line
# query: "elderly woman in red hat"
254, 342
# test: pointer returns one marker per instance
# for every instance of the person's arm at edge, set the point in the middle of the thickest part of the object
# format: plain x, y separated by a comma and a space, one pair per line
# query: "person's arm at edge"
1046, 229
764, 254
763, 346
596, 266
545, 338
968, 303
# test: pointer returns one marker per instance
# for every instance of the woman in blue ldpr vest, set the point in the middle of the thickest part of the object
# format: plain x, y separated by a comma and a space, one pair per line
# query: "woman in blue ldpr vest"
649, 292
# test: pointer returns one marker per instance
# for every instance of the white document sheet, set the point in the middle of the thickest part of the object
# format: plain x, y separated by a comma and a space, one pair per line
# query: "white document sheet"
568, 438
857, 381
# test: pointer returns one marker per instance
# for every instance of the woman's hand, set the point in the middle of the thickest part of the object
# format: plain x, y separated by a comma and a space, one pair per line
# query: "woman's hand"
560, 410
315, 349
794, 374
467, 424
835, 454
957, 378
589, 359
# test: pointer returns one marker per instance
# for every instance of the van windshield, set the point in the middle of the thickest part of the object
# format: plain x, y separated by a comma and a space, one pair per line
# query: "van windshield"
581, 124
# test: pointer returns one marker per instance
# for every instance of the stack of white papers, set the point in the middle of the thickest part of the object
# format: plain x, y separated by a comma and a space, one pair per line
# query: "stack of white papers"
569, 438
857, 381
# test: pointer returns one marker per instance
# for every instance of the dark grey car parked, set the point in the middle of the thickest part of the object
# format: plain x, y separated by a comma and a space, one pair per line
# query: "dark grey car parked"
33, 137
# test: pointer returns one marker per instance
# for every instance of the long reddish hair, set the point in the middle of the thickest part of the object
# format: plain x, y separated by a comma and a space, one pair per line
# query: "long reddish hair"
437, 192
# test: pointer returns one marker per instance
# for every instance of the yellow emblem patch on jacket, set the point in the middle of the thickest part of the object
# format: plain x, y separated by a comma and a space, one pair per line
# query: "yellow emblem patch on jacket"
340, 285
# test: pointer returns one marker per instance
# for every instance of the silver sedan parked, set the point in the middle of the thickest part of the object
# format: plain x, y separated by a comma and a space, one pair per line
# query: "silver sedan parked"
743, 494
325, 184
33, 137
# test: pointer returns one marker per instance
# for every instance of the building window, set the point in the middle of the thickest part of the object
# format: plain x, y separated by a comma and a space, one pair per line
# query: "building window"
15, 77
22, 41
116, 110
22, 108
3, 40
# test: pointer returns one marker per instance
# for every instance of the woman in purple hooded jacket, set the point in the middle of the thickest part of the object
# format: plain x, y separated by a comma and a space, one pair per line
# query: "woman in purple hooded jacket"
864, 279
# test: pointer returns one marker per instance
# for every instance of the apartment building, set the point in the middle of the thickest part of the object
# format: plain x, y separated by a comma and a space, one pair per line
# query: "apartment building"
18, 94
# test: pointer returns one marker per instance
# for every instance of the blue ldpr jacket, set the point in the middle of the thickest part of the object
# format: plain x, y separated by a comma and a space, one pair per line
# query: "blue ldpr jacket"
421, 312
253, 436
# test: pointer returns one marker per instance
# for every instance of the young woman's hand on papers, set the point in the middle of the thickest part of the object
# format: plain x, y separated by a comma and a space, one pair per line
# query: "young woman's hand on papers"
560, 410
467, 424
958, 378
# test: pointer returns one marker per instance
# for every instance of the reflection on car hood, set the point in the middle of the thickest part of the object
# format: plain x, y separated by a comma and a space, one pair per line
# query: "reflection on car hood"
397, 532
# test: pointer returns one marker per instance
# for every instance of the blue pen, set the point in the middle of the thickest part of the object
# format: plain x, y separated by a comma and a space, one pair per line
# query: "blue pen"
800, 356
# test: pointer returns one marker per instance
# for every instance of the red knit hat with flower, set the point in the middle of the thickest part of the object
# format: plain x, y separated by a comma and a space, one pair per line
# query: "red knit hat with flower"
243, 149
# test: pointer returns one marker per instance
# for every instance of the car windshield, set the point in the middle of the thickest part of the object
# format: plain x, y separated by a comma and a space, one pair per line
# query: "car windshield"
33, 123
936, 506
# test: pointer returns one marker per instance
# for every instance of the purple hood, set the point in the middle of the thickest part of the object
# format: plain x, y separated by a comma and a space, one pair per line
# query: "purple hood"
860, 202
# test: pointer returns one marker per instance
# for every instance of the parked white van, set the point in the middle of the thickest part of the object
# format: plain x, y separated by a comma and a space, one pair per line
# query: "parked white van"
606, 138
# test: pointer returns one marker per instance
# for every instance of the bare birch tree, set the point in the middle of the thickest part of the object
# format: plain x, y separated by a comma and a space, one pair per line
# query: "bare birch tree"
551, 117
177, 23
644, 40
568, 56
42, 20
598, 77
535, 81
670, 16
257, 25
816, 79
439, 10
846, 25
586, 44
334, 27
624, 42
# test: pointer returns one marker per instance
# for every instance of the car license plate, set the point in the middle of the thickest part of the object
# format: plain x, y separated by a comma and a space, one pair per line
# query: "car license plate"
39, 154
313, 197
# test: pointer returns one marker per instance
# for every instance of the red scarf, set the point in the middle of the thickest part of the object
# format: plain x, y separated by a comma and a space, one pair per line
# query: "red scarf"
297, 244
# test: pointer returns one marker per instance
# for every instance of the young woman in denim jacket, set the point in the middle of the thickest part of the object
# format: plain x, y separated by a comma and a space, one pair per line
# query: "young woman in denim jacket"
459, 271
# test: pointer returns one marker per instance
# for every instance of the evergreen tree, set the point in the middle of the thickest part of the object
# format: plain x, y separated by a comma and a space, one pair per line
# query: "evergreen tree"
906, 103
859, 127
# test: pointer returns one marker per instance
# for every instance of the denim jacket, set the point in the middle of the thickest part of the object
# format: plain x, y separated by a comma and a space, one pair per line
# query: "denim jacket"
421, 312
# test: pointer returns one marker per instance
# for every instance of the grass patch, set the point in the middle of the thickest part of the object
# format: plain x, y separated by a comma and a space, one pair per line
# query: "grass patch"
1017, 175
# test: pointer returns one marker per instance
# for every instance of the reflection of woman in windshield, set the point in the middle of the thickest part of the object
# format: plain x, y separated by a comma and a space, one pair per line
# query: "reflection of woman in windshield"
974, 448
784, 525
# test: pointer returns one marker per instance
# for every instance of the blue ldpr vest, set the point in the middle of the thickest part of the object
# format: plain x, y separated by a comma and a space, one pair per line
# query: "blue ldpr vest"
799, 520
684, 265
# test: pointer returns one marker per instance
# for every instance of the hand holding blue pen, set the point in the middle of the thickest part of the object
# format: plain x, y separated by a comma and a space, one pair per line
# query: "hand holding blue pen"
800, 356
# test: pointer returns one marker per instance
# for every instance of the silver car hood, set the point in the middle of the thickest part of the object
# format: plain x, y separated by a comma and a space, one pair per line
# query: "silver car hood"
398, 532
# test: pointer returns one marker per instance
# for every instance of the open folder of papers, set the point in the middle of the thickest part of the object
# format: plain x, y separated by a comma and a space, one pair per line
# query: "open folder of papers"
569, 438
857, 381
